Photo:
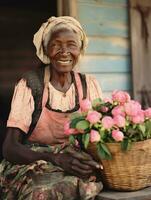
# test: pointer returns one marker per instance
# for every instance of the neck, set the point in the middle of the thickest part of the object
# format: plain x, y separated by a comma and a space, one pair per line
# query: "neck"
61, 81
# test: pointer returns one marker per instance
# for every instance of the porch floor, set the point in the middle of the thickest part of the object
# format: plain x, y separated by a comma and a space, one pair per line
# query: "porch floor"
144, 194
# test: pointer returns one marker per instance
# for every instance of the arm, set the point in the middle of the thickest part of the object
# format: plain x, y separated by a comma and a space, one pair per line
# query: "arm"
78, 164
17, 153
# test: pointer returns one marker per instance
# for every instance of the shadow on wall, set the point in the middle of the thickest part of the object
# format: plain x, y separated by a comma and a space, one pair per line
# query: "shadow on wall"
19, 21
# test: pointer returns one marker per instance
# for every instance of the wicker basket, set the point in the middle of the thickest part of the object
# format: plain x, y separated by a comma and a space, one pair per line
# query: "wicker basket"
127, 171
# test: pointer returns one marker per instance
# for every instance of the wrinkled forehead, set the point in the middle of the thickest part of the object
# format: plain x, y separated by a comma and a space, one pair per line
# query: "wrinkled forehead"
60, 28
65, 32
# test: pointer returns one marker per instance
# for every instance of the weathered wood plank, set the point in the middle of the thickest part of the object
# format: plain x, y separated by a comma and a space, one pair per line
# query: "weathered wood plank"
102, 14
107, 29
140, 15
114, 81
108, 2
108, 45
144, 194
105, 64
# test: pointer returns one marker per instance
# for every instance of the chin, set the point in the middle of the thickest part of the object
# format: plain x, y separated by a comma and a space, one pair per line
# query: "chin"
65, 69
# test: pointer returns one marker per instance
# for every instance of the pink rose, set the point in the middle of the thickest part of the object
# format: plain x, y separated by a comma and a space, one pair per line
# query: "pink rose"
68, 130
139, 118
107, 99
118, 110
107, 122
104, 109
94, 136
147, 113
120, 96
119, 121
132, 108
93, 117
85, 105
117, 135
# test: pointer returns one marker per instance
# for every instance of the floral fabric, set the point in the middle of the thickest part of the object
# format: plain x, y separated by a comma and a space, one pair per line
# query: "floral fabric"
42, 180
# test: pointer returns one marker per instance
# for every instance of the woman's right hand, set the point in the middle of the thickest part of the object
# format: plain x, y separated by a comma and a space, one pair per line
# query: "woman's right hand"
76, 163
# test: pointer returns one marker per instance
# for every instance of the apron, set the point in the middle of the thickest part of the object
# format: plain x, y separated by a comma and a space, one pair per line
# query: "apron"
50, 126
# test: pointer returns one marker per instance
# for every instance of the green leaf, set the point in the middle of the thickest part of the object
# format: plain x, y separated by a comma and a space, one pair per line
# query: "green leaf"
142, 128
126, 144
75, 115
96, 102
103, 151
82, 125
148, 129
72, 139
75, 121
102, 134
85, 140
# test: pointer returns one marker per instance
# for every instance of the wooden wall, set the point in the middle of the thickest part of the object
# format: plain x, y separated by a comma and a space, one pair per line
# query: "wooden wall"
140, 14
106, 23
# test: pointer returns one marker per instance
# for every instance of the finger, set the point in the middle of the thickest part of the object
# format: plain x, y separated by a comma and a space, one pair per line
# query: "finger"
93, 164
81, 165
81, 171
79, 155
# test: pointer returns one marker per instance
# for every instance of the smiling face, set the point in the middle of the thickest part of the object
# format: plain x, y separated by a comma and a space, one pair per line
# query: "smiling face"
63, 50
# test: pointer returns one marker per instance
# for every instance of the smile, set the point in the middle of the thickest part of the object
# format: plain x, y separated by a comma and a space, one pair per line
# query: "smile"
64, 61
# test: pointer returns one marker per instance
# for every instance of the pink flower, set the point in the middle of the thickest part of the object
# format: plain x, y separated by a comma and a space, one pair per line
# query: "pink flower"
118, 110
119, 121
107, 99
94, 136
107, 122
104, 109
68, 130
132, 108
139, 118
120, 96
93, 117
117, 135
147, 113
85, 105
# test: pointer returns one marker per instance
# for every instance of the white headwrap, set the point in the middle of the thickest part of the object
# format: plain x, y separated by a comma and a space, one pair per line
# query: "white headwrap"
46, 28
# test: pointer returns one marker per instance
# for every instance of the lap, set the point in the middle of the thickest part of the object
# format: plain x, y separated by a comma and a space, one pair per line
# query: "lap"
42, 180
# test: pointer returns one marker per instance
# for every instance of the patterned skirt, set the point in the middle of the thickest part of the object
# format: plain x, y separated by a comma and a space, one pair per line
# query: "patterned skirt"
42, 180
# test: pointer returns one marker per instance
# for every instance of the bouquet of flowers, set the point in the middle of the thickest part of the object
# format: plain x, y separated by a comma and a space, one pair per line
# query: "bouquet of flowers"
118, 119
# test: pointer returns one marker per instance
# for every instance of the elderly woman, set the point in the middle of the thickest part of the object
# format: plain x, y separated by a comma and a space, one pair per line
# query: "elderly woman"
39, 162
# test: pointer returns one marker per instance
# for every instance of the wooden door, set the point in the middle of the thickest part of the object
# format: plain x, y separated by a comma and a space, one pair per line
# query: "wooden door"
140, 20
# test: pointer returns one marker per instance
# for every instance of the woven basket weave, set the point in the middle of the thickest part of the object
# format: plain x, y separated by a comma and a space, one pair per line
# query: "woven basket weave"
127, 171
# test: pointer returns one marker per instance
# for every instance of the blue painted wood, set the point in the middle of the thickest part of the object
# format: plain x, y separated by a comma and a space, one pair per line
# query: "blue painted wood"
108, 52
115, 2
105, 29
102, 14
114, 81
114, 46
108, 64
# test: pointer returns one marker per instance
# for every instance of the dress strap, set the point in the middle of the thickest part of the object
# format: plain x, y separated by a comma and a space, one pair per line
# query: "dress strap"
81, 85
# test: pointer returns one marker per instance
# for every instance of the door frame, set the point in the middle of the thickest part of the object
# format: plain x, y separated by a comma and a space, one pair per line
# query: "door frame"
67, 8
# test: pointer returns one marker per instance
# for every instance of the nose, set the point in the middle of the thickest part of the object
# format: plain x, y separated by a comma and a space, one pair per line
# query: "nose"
64, 50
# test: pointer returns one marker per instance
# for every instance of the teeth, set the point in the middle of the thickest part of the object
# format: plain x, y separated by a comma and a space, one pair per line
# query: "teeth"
64, 62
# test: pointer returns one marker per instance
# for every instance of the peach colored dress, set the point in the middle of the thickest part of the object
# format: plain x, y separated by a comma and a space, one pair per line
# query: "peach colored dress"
56, 108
